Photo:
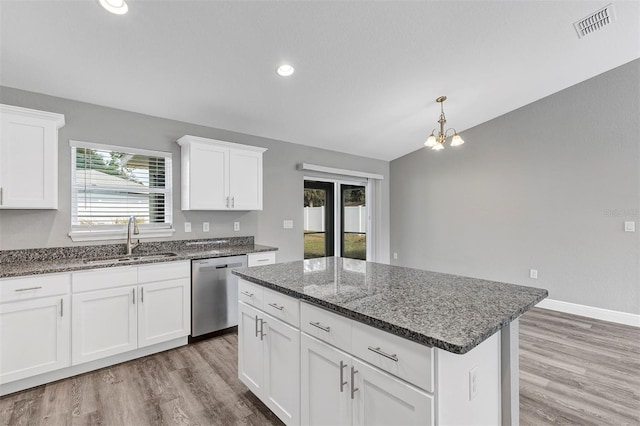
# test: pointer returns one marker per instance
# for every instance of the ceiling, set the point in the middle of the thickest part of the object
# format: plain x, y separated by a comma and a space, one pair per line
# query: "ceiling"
367, 73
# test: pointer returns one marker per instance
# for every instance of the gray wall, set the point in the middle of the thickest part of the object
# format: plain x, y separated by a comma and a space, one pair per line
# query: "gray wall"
547, 186
283, 183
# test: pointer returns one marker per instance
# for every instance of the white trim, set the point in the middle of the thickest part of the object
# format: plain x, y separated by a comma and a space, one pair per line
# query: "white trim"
343, 172
591, 312
187, 139
112, 234
34, 113
126, 149
74, 370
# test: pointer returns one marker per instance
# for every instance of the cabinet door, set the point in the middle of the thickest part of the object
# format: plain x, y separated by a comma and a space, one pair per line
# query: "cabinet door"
324, 384
245, 179
104, 323
164, 311
281, 390
250, 344
208, 182
34, 337
28, 162
381, 399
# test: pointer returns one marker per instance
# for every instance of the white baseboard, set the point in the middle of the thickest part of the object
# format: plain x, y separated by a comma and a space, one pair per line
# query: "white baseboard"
591, 312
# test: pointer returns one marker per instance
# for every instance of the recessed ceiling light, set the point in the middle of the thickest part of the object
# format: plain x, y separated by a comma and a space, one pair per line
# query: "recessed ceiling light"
119, 7
285, 70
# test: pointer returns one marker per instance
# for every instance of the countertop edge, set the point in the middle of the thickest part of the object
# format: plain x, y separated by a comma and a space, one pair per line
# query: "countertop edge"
73, 265
392, 328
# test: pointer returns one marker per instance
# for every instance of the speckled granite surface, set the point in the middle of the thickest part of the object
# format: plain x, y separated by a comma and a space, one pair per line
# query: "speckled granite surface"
446, 311
15, 263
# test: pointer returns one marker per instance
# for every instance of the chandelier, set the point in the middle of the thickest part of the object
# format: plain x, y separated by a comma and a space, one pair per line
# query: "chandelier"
436, 142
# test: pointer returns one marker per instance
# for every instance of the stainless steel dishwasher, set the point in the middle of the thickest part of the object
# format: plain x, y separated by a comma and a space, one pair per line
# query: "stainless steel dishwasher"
214, 294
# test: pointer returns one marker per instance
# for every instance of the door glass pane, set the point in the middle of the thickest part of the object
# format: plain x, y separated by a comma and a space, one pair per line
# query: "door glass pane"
318, 219
354, 222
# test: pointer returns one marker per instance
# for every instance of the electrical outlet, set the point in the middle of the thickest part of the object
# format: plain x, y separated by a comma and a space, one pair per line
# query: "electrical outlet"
205, 226
473, 383
629, 227
395, 256
236, 226
533, 274
187, 227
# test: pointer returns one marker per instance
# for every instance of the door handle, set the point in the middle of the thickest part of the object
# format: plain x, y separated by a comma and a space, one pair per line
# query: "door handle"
342, 382
257, 331
262, 333
134, 296
353, 382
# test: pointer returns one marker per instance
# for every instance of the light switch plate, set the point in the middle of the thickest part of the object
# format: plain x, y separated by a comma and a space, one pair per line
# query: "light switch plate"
629, 226
187, 227
236, 226
287, 224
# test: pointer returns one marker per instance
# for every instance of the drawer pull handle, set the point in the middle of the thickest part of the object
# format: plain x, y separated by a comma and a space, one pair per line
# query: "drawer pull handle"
28, 288
377, 350
246, 293
321, 327
353, 381
273, 305
342, 382
262, 260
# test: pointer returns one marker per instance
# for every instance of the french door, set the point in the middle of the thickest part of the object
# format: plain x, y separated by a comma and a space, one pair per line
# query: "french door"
335, 219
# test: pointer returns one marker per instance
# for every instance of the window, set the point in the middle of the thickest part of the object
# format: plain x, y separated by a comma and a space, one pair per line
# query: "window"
109, 184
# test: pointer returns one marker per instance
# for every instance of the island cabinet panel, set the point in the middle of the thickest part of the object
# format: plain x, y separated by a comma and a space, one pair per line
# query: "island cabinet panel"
250, 348
326, 326
34, 337
282, 369
249, 293
324, 384
381, 399
401, 357
269, 361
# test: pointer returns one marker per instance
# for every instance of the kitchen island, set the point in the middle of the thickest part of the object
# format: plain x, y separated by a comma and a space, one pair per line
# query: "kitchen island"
376, 343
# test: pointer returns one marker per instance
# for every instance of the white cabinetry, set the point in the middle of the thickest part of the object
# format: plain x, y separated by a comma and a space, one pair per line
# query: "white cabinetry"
269, 350
116, 310
337, 388
35, 326
219, 175
263, 258
29, 158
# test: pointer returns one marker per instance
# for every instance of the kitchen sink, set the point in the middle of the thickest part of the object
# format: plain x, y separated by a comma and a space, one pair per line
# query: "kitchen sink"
128, 259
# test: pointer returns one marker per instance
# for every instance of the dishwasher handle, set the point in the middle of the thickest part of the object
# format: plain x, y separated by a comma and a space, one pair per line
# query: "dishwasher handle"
223, 266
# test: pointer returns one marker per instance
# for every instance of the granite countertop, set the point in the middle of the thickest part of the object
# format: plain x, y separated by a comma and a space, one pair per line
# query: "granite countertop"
18, 263
449, 312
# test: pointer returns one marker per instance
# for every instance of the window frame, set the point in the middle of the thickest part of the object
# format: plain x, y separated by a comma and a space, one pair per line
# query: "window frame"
119, 232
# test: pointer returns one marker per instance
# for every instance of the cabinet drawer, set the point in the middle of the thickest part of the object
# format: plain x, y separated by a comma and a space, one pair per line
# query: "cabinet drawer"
34, 286
164, 271
257, 259
98, 279
401, 357
282, 307
326, 326
250, 293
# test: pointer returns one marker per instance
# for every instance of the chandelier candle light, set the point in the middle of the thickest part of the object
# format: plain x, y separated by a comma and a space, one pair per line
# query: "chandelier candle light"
437, 142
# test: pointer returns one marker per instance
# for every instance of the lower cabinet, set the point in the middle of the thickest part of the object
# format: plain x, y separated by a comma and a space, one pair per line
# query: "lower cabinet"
339, 389
34, 337
115, 320
269, 361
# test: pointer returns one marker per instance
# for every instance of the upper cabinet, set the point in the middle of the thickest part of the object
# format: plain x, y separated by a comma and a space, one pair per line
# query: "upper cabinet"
219, 175
29, 158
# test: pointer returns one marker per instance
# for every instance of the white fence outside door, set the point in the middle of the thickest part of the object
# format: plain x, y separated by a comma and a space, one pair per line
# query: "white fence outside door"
355, 219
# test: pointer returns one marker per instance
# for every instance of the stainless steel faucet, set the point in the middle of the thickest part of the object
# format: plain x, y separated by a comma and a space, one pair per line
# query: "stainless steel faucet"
136, 231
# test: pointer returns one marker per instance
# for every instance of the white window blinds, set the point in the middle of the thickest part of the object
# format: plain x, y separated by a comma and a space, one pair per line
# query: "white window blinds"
111, 183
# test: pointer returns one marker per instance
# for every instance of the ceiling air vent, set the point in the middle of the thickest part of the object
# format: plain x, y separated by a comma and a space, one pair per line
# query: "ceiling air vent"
595, 21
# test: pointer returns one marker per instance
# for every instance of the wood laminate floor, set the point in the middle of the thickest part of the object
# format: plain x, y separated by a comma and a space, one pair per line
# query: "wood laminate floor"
573, 370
